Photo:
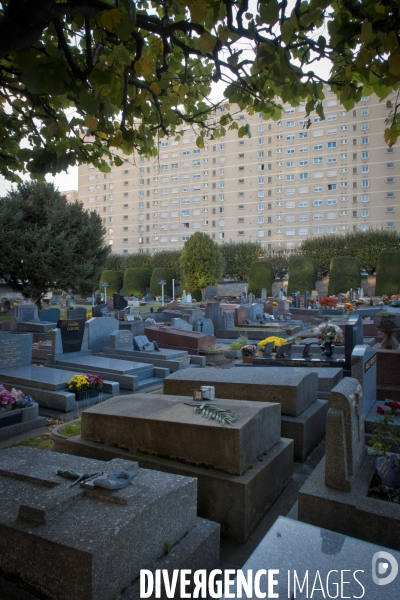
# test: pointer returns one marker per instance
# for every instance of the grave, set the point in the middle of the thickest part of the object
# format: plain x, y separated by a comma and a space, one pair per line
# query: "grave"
229, 319
363, 368
320, 556
204, 326
214, 312
303, 413
178, 339
99, 331
256, 311
191, 315
19, 420
119, 302
241, 315
168, 315
49, 315
283, 310
121, 339
25, 318
97, 310
181, 324
15, 350
248, 462
77, 313
51, 538
335, 496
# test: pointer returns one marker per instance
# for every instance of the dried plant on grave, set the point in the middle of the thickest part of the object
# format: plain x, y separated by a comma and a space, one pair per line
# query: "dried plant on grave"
213, 412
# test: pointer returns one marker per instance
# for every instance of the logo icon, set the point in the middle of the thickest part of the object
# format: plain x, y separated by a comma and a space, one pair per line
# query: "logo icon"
381, 568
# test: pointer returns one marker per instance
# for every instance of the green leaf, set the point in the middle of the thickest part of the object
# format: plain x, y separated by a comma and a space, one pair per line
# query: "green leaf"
269, 11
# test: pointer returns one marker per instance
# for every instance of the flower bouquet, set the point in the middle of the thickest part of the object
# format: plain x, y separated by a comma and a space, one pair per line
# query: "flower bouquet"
328, 332
87, 385
272, 338
248, 350
328, 302
14, 399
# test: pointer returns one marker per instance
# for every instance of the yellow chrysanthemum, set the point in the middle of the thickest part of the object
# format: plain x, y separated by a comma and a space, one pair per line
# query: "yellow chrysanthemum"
273, 338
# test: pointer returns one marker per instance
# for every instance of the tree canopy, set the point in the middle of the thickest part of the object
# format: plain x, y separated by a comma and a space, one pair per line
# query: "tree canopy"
48, 242
201, 262
81, 77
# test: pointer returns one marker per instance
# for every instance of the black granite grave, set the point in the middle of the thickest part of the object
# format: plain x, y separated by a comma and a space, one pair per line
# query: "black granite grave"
71, 334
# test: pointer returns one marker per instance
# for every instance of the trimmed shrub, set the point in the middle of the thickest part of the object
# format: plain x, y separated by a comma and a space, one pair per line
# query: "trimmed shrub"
136, 280
302, 275
388, 274
162, 273
261, 276
344, 274
114, 279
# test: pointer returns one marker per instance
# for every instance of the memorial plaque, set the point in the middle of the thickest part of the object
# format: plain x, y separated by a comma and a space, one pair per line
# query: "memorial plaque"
15, 350
123, 338
268, 348
71, 334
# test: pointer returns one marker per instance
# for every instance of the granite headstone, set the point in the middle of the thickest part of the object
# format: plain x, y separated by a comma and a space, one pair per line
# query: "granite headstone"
122, 338
204, 326
99, 332
363, 368
345, 435
181, 324
77, 313
15, 349
50, 315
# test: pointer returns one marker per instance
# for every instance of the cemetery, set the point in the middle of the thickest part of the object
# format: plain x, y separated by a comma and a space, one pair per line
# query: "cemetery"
177, 451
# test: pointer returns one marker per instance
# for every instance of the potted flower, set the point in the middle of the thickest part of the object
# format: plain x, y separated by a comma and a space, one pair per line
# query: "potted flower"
272, 338
248, 351
15, 408
85, 386
329, 334
328, 303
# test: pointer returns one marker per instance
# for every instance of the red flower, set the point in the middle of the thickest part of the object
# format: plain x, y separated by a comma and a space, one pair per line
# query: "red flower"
380, 410
394, 405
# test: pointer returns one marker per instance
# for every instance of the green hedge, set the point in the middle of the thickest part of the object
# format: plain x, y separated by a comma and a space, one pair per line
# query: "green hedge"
388, 274
162, 273
136, 280
302, 275
344, 274
261, 276
114, 279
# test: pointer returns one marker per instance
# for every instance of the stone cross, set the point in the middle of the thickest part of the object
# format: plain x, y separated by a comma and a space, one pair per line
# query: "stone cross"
345, 436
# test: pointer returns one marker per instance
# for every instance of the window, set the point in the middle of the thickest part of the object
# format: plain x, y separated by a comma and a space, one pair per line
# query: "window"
343, 213
390, 209
364, 227
290, 232
221, 197
332, 186
365, 169
343, 128
260, 194
364, 126
260, 128
290, 151
303, 204
389, 165
303, 135
365, 183
343, 198
260, 220
389, 194
260, 154
303, 163
303, 175
174, 165
317, 230
390, 224
318, 202
317, 147
260, 207
332, 159
317, 216
331, 145
260, 141
290, 123
261, 180
318, 160
365, 212
389, 179
222, 146
365, 140
331, 201
279, 217
290, 164
260, 233
289, 177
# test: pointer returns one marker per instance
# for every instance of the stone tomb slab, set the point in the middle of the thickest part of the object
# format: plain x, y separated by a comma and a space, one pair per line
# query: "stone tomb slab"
50, 535
328, 378
100, 363
170, 337
291, 546
250, 495
363, 368
294, 390
165, 426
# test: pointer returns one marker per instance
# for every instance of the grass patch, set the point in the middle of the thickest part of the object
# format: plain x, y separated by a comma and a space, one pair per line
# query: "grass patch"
70, 429
43, 442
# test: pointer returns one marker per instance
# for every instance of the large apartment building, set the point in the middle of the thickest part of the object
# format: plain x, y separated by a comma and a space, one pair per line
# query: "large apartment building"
285, 183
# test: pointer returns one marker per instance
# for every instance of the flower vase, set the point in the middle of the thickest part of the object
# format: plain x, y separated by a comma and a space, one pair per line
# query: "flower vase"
247, 360
327, 351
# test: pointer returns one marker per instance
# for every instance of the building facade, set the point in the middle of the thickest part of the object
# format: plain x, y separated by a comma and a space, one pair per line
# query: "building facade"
285, 183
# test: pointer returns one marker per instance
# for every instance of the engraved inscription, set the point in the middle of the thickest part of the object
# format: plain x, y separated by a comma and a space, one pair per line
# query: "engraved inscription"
369, 363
